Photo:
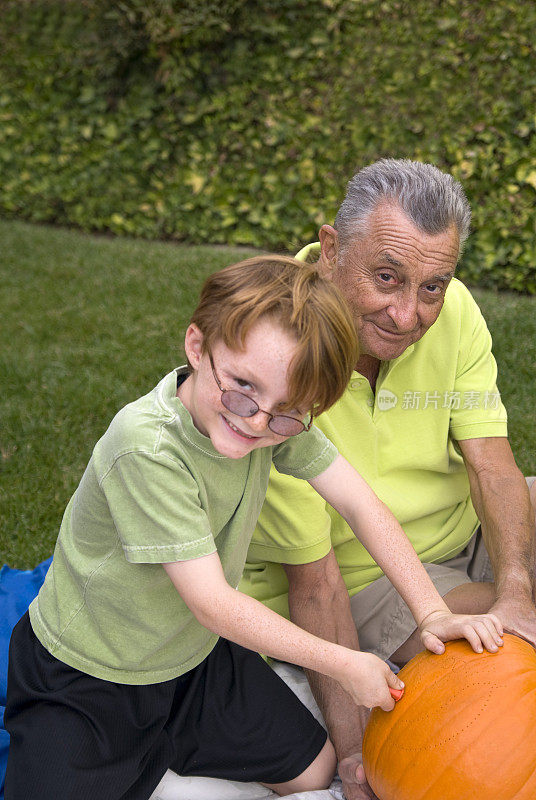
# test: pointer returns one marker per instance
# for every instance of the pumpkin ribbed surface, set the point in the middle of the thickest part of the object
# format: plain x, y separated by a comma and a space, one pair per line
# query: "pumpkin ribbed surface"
465, 728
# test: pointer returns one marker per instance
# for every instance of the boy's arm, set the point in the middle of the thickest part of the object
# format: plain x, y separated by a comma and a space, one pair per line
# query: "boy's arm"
217, 606
378, 530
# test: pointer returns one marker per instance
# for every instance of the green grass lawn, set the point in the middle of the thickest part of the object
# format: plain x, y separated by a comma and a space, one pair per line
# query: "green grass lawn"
89, 323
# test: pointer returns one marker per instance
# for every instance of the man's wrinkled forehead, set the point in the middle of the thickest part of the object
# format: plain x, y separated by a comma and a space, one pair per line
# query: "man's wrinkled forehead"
391, 239
389, 260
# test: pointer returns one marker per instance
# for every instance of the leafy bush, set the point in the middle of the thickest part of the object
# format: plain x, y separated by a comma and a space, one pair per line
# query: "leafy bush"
240, 121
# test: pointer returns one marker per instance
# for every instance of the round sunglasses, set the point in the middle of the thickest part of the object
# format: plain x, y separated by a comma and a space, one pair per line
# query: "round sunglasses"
244, 406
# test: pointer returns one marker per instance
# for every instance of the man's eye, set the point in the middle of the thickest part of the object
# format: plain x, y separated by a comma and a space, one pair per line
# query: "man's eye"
385, 276
243, 384
434, 288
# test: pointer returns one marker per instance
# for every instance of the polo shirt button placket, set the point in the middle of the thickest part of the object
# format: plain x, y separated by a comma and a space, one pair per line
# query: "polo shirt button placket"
361, 386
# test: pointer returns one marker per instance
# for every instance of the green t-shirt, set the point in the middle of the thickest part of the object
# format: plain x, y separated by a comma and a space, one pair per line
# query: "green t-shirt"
155, 490
402, 440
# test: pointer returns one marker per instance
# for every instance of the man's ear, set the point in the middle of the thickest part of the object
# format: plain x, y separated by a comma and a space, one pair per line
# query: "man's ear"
193, 345
329, 250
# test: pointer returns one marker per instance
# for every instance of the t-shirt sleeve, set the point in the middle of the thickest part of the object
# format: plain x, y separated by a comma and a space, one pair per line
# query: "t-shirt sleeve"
476, 407
305, 456
154, 503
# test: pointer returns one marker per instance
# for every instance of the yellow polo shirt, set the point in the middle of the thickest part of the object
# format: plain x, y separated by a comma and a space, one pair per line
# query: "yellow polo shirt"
402, 440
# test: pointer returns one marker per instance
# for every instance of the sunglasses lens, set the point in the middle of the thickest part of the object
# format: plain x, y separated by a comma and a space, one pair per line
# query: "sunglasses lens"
243, 406
286, 426
239, 404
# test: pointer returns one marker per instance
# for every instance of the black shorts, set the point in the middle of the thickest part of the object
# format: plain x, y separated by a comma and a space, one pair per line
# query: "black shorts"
78, 737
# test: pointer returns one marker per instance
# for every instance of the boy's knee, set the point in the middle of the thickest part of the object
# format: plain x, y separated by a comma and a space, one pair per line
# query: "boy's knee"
322, 769
318, 775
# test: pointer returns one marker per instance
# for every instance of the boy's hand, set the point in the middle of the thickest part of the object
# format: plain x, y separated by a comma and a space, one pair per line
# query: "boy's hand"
478, 629
367, 679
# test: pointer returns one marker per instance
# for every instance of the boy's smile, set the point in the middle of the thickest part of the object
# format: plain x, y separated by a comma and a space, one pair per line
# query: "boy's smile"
237, 431
259, 371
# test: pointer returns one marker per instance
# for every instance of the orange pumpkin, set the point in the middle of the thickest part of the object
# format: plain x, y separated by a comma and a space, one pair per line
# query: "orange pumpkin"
465, 728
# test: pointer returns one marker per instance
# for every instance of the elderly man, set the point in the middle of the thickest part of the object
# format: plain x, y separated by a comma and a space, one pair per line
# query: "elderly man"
423, 423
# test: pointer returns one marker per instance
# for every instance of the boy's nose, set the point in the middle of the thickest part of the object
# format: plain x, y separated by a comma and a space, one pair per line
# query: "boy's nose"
259, 421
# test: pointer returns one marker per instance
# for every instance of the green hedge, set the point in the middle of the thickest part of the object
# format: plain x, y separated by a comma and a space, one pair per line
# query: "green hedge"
240, 121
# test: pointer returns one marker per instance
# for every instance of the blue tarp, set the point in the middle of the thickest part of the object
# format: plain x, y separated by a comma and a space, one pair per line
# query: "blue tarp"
17, 590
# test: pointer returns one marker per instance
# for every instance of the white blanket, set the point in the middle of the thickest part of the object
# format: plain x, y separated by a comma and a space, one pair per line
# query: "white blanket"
176, 787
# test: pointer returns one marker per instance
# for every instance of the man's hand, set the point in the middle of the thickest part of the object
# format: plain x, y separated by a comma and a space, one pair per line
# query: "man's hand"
354, 782
517, 616
478, 629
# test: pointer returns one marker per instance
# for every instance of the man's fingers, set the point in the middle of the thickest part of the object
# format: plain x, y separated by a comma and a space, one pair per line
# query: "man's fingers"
358, 791
351, 769
352, 774
360, 774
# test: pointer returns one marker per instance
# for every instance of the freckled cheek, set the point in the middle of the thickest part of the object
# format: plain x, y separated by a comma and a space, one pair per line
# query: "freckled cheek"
213, 401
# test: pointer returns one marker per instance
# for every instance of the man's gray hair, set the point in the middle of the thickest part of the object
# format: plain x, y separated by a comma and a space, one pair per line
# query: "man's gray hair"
431, 199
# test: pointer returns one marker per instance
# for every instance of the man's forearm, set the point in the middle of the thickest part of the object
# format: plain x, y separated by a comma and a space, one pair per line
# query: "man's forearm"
502, 501
503, 505
345, 721
319, 603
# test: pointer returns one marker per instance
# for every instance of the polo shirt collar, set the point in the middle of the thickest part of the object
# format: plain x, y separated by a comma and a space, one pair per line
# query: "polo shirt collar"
395, 361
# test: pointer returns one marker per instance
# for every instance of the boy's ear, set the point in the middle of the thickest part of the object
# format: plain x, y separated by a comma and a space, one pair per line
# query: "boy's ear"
193, 345
329, 250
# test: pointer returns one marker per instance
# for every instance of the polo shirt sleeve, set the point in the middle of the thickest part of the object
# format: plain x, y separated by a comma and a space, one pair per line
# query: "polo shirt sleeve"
294, 526
155, 506
476, 407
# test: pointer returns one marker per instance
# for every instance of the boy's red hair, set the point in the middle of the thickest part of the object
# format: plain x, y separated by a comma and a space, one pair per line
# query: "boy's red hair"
303, 303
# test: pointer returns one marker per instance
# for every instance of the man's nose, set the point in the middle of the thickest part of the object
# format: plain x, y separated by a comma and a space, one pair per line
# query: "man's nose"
404, 312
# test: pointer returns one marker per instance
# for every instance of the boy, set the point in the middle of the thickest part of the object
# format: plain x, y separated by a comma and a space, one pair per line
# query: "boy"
132, 659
